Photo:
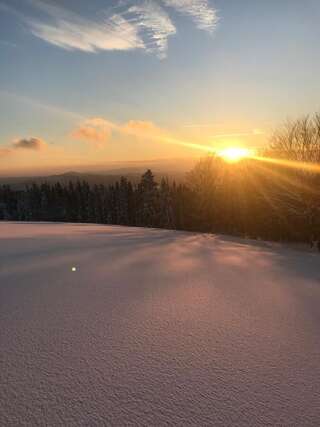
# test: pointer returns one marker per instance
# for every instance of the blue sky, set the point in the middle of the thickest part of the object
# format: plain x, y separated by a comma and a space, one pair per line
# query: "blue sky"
108, 79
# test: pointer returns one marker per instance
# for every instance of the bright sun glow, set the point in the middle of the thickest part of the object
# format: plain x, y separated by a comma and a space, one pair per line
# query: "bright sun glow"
234, 154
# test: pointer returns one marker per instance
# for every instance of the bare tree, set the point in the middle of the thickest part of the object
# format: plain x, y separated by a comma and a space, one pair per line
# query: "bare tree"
203, 180
298, 140
299, 187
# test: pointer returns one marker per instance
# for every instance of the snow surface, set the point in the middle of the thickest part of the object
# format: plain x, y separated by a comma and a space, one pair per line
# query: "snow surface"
155, 328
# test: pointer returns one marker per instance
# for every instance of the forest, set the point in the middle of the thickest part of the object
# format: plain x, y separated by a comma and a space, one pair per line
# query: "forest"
274, 196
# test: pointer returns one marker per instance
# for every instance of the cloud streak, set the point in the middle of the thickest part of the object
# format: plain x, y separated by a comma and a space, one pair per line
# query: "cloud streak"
254, 132
70, 31
35, 103
4, 152
133, 24
8, 44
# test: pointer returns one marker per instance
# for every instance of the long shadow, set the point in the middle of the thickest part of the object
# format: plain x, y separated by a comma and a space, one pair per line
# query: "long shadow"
110, 239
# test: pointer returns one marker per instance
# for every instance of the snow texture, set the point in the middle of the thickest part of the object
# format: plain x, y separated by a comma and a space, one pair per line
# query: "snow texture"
155, 328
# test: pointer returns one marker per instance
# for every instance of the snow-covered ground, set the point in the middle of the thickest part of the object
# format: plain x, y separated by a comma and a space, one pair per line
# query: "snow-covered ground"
155, 328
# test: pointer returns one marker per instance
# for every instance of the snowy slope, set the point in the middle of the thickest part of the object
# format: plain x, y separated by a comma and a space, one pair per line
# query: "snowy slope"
155, 328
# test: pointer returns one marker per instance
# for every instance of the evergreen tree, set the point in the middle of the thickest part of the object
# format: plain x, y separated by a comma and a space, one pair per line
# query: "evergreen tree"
147, 214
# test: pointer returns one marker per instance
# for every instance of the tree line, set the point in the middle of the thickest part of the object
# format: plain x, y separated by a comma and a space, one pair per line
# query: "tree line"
261, 199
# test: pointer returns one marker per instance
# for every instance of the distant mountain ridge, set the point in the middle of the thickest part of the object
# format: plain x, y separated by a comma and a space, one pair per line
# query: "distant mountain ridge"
92, 179
173, 169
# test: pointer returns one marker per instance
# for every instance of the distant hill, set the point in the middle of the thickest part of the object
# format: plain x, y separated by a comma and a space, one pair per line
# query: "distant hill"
173, 169
93, 179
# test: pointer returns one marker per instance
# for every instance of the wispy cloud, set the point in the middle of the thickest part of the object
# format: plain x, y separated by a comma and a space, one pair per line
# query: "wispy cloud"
141, 128
155, 24
254, 132
203, 125
70, 31
98, 131
5, 43
4, 152
147, 130
133, 24
31, 102
95, 130
201, 11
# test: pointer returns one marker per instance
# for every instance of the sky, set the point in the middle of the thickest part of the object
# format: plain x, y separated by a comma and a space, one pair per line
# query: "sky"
87, 83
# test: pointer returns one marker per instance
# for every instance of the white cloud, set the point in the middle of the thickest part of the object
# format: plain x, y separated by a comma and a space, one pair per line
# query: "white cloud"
203, 14
70, 31
155, 24
139, 25
132, 24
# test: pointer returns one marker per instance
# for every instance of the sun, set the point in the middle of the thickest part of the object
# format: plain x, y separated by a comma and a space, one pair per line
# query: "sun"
234, 154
